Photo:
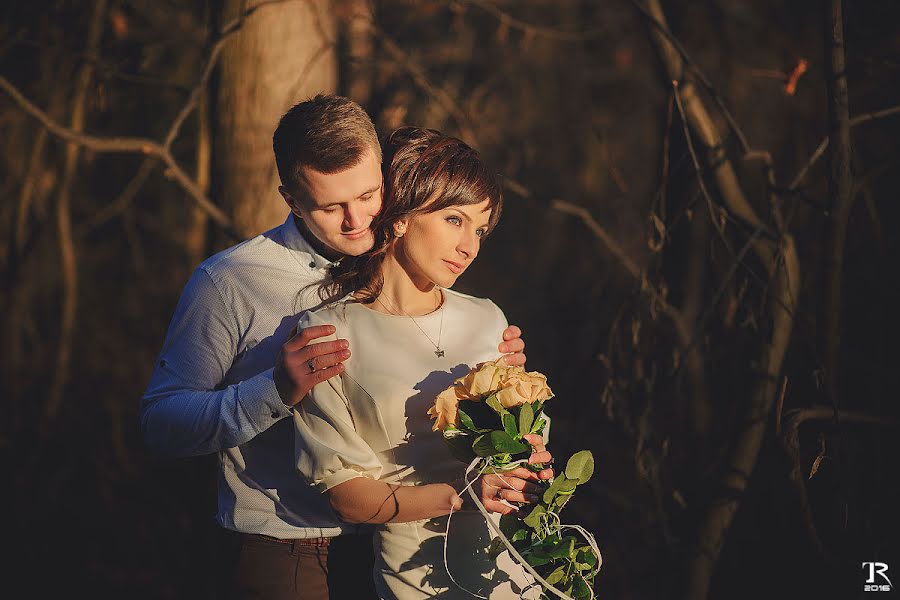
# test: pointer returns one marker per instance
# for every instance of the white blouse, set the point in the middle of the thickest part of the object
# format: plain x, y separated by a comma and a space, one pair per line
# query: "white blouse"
372, 421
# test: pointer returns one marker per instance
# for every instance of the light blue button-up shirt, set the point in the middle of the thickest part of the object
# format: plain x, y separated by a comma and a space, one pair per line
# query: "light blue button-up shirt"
212, 389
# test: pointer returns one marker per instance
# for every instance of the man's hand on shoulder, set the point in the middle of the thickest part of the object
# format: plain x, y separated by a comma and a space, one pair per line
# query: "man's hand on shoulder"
301, 365
512, 347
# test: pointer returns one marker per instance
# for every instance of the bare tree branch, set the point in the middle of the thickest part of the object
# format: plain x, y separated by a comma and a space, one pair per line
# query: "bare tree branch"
783, 266
125, 145
536, 30
789, 437
823, 145
420, 76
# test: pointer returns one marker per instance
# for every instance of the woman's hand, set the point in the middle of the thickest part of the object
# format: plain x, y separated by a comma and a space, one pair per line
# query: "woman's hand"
518, 485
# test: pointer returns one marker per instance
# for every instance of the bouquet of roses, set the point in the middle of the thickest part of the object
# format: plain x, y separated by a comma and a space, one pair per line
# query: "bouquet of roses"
484, 416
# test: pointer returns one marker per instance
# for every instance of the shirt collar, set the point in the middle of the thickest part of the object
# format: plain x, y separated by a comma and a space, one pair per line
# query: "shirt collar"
294, 240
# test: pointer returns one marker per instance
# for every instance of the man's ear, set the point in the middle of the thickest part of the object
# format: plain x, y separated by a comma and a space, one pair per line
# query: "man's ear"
292, 202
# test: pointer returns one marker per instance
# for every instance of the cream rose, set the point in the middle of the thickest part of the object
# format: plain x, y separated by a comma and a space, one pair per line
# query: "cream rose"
518, 387
514, 387
445, 410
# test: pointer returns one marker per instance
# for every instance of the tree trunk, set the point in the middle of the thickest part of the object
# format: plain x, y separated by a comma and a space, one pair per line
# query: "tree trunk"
282, 54
840, 187
68, 260
783, 266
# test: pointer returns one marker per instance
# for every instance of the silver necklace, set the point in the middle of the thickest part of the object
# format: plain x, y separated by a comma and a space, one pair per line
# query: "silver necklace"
394, 309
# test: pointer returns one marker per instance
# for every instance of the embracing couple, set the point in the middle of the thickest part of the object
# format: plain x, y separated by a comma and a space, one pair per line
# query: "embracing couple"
324, 459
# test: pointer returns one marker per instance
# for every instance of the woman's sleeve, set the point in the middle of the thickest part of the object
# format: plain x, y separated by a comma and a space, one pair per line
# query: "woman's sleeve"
327, 448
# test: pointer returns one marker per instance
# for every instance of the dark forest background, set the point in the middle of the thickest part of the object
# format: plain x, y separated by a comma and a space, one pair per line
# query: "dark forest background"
711, 291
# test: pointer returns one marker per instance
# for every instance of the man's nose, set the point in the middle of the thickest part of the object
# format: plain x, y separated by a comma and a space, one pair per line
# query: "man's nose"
353, 218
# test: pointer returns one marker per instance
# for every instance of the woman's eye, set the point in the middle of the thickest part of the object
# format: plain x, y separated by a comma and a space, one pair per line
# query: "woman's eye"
366, 198
454, 220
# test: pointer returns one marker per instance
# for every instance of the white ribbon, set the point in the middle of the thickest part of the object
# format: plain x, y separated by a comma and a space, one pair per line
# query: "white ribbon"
512, 550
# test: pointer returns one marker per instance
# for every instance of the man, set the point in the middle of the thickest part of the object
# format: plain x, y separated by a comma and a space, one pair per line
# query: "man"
232, 367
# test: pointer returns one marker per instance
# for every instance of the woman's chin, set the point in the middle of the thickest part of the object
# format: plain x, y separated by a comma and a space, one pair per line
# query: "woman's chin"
445, 281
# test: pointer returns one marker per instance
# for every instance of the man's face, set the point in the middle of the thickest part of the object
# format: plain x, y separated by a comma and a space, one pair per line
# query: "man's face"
338, 208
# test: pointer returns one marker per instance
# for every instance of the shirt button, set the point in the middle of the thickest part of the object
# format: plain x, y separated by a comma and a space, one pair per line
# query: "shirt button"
312, 265
275, 414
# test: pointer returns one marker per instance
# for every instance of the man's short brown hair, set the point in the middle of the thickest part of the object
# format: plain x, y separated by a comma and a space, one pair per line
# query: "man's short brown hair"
326, 133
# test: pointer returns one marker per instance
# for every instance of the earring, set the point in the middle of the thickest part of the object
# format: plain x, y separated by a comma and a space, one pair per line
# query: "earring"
399, 230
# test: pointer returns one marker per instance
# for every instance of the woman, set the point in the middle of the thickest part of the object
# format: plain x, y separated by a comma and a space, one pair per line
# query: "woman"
365, 438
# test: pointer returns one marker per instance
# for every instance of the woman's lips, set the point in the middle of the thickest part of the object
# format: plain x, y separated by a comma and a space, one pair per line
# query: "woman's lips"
454, 267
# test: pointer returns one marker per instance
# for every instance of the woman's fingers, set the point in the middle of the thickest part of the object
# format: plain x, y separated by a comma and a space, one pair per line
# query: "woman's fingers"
510, 481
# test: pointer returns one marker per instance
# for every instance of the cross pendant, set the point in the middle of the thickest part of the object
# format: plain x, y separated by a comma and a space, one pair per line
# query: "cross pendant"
439, 353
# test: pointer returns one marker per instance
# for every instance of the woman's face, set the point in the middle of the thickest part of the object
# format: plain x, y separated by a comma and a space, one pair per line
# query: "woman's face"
438, 247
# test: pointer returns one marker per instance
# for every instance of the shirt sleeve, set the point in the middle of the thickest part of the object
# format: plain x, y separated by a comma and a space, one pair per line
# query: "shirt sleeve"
328, 447
185, 410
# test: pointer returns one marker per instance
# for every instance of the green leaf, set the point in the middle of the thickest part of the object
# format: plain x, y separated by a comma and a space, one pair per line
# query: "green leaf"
556, 576
535, 561
504, 443
461, 447
560, 501
533, 519
580, 466
519, 535
466, 421
509, 424
538, 426
526, 419
509, 524
564, 550
496, 548
483, 446
586, 557
495, 404
580, 589
554, 488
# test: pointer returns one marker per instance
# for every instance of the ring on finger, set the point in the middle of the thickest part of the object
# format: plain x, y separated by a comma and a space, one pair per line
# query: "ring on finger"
499, 494
312, 367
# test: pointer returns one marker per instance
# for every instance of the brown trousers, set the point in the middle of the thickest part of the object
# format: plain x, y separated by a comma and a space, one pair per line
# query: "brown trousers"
270, 570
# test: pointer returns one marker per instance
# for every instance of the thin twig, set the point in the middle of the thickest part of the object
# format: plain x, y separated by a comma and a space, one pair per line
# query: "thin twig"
790, 442
537, 30
122, 201
420, 76
632, 267
820, 149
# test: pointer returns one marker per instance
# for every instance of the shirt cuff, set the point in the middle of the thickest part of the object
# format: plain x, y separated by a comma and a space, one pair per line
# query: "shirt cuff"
260, 398
337, 478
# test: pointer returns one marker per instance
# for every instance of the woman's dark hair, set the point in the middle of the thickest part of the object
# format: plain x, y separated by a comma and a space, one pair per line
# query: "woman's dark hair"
424, 171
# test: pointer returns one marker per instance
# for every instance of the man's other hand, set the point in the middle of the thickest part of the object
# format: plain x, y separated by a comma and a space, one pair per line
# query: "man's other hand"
301, 365
512, 347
